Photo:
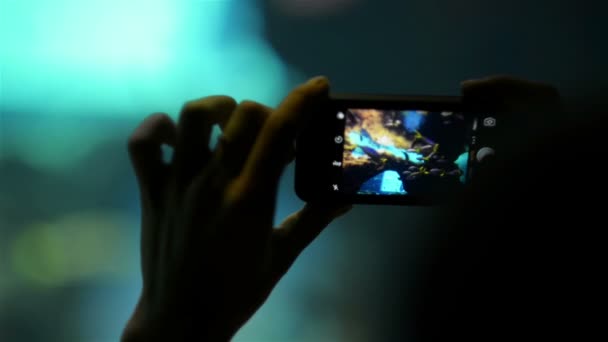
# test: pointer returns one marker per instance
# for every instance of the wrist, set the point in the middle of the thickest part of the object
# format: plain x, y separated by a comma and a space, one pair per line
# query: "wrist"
144, 326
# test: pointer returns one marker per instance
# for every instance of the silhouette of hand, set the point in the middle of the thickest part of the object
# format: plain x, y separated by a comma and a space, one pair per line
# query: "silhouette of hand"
509, 94
210, 255
524, 110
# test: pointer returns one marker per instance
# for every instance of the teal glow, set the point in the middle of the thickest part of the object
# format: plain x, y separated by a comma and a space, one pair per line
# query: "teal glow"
391, 183
85, 33
67, 62
76, 78
462, 162
363, 140
358, 153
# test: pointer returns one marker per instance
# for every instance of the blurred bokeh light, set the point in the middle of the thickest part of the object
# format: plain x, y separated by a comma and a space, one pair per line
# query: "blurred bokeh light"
66, 62
76, 78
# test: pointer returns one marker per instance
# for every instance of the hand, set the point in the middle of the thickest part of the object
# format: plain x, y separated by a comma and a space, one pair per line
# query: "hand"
210, 255
510, 94
525, 111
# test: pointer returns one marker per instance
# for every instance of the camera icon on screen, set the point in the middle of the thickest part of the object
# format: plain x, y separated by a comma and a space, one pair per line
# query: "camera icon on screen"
489, 122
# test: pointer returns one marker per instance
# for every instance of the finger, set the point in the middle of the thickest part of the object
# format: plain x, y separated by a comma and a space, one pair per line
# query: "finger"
240, 134
194, 129
511, 94
145, 151
274, 145
300, 229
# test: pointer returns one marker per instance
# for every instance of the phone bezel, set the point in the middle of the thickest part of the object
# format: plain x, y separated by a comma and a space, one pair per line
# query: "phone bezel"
311, 146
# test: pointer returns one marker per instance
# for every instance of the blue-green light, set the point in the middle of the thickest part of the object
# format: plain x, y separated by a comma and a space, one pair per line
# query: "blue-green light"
79, 74
70, 61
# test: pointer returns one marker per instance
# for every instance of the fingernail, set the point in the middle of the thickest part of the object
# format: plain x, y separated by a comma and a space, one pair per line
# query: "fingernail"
319, 81
467, 82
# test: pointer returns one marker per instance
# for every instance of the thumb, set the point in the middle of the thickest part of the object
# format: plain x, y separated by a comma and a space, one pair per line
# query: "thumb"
300, 229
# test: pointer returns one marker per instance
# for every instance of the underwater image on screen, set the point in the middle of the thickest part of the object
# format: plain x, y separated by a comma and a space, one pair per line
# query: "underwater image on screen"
404, 152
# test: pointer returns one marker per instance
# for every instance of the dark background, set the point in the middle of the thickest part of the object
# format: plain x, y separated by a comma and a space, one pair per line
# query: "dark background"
68, 203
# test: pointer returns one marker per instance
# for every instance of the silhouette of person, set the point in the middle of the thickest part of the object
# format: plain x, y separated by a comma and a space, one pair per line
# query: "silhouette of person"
210, 255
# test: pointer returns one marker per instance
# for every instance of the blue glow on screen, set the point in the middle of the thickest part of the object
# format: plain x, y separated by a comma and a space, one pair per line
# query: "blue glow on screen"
412, 120
363, 139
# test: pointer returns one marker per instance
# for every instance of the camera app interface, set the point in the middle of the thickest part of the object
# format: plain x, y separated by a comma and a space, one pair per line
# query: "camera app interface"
403, 152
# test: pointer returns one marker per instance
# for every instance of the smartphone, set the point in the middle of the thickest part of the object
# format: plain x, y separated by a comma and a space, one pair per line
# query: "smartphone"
403, 150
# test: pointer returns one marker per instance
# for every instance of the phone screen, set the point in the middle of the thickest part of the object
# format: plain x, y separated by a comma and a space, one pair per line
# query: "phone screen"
406, 151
